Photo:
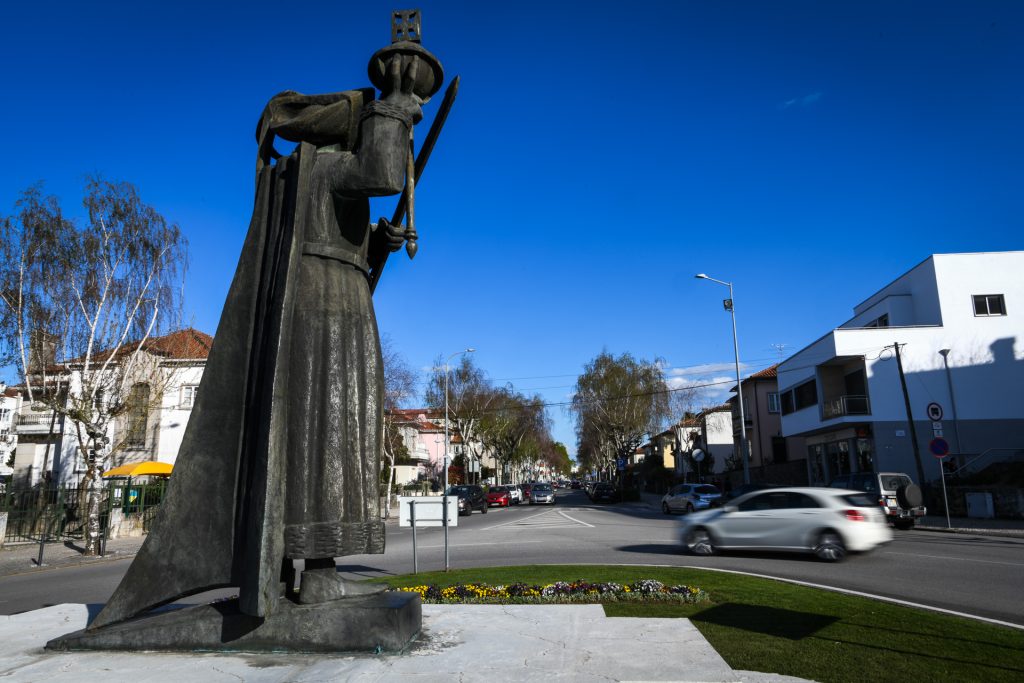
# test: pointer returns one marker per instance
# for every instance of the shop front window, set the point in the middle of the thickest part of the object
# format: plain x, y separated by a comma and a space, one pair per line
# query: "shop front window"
865, 456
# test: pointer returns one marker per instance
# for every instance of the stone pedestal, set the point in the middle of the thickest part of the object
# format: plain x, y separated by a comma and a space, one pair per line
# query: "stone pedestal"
386, 622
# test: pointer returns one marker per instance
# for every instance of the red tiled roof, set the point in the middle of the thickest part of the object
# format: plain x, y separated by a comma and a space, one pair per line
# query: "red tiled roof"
768, 373
771, 372
186, 344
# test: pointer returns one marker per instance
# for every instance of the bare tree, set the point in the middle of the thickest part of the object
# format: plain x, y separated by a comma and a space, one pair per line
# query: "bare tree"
79, 307
470, 397
399, 387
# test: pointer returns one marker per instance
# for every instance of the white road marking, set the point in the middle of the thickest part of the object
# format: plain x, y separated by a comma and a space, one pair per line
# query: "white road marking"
960, 559
474, 545
540, 524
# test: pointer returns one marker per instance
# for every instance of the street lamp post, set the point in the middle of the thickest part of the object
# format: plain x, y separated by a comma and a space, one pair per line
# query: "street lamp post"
731, 307
447, 446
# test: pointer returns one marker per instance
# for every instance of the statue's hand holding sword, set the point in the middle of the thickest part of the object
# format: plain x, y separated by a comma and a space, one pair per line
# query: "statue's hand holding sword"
422, 78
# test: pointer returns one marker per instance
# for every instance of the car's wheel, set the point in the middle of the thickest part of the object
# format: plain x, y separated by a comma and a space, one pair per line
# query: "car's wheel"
664, 508
699, 542
903, 524
689, 508
909, 496
830, 547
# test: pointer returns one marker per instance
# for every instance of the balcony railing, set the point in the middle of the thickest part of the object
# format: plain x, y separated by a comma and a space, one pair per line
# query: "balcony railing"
35, 421
845, 405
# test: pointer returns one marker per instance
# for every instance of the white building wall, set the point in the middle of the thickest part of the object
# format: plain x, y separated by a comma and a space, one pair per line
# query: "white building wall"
175, 410
986, 359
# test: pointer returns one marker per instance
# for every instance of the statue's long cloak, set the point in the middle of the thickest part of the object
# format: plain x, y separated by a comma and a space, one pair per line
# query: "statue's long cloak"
221, 522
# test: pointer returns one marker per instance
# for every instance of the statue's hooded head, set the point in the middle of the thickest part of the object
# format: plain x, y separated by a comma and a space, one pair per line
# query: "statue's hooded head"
320, 120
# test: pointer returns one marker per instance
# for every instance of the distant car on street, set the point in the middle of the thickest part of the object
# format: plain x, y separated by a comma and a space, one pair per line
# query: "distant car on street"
471, 497
827, 522
500, 496
542, 493
689, 498
515, 494
604, 490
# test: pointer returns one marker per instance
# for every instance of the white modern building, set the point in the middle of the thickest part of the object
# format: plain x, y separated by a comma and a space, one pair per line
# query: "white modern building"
958, 320
47, 442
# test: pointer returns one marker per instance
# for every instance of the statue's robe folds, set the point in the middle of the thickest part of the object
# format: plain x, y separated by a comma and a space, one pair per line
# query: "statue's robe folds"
280, 456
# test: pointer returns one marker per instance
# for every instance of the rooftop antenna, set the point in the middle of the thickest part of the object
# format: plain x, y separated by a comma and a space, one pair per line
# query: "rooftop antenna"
781, 350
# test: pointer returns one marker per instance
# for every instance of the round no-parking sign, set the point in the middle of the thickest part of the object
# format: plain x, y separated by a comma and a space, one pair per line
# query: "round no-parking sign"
939, 447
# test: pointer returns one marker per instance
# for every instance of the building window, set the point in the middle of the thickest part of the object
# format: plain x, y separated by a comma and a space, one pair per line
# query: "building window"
880, 321
5, 415
188, 396
138, 412
989, 304
773, 402
800, 397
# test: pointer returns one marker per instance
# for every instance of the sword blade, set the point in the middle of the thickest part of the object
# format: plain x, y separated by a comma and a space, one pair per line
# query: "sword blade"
421, 163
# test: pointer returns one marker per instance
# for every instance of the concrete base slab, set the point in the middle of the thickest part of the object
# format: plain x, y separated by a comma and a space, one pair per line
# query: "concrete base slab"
459, 642
385, 622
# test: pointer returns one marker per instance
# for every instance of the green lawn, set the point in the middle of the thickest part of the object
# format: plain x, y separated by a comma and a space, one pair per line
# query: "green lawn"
764, 625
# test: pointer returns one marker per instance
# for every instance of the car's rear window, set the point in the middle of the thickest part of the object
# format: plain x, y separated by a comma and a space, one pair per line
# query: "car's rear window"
541, 487
893, 482
705, 489
861, 500
499, 489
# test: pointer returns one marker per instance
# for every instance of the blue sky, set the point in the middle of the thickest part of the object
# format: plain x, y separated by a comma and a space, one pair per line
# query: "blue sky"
598, 156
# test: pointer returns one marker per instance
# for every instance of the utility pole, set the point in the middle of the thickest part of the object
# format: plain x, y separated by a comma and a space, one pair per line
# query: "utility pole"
910, 416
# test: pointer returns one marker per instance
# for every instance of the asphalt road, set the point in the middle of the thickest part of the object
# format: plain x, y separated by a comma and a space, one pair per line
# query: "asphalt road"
974, 574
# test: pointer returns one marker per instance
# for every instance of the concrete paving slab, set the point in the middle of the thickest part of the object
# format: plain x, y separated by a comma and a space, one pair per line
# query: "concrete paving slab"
466, 643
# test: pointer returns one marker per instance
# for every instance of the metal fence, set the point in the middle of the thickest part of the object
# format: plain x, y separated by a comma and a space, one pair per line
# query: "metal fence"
61, 513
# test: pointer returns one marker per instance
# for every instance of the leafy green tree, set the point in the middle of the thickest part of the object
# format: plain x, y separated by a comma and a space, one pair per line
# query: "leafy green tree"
618, 402
515, 429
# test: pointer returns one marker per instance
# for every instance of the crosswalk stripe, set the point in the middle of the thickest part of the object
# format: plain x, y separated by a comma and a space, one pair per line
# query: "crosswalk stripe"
551, 519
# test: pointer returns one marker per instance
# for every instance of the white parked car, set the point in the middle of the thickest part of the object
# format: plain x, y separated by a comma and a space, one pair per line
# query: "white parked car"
515, 494
828, 522
690, 497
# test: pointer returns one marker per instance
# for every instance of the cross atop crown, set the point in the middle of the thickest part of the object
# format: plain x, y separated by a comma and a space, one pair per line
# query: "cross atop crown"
405, 26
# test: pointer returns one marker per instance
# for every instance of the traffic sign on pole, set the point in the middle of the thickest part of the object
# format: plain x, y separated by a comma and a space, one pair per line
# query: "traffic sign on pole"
934, 412
939, 447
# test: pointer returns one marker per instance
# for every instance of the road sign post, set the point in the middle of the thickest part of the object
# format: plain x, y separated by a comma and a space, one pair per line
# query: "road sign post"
939, 447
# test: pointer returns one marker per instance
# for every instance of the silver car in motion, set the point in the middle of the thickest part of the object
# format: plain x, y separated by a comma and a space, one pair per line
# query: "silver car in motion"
825, 521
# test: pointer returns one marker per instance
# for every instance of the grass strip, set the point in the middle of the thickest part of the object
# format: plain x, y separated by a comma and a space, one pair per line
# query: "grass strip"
764, 625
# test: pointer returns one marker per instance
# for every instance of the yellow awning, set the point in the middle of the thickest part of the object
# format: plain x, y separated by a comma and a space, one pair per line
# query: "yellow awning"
138, 469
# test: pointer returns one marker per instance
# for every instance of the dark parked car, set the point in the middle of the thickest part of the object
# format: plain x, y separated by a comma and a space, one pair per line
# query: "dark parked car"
471, 497
604, 491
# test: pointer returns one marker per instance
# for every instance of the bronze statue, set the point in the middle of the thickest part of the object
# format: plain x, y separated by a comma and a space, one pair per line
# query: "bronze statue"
280, 460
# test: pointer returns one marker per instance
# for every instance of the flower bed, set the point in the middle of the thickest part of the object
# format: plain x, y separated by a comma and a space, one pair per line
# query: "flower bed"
645, 590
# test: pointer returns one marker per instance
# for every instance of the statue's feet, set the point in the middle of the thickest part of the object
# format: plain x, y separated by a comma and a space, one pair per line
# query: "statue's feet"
324, 585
